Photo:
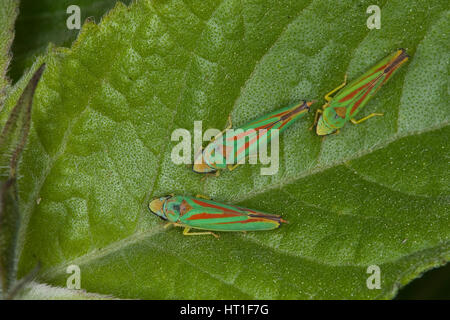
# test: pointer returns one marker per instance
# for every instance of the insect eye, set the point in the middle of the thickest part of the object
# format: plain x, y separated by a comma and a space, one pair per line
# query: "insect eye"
176, 207
336, 116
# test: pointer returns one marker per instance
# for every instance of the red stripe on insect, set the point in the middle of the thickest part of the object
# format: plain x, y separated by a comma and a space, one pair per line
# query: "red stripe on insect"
241, 135
251, 131
388, 75
267, 126
356, 105
379, 69
207, 204
371, 85
247, 221
275, 115
352, 94
243, 209
285, 122
246, 145
201, 216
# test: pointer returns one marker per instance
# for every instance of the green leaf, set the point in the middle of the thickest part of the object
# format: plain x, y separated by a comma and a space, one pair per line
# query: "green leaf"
9, 227
47, 19
15, 131
99, 150
8, 13
12, 141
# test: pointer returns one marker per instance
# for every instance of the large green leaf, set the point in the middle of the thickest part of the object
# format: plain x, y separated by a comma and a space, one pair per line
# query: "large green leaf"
100, 147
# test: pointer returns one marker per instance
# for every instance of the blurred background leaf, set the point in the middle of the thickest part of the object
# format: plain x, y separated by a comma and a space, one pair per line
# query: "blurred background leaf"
434, 284
8, 14
43, 22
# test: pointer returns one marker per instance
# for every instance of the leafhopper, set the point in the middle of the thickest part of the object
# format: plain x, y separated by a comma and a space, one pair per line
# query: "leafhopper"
351, 98
208, 215
229, 150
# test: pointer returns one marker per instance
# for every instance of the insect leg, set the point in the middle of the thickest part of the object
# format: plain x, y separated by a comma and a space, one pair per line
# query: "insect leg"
327, 96
202, 196
232, 167
216, 174
187, 233
168, 224
316, 117
230, 124
365, 118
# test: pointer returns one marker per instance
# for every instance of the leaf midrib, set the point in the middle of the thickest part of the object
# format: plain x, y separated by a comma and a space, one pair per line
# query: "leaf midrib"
53, 272
355, 156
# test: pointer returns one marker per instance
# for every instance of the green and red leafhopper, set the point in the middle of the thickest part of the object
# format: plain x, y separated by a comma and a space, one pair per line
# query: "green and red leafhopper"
205, 214
229, 150
351, 98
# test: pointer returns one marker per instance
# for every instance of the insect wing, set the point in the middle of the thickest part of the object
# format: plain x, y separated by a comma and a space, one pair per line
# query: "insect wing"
210, 215
356, 94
